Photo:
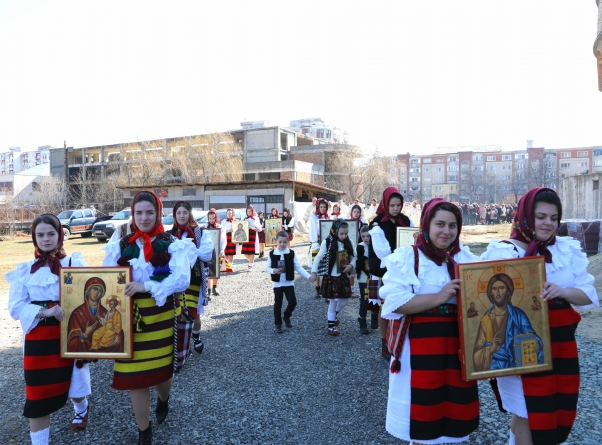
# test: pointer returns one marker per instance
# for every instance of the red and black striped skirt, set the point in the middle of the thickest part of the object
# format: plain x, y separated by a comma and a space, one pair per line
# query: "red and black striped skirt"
442, 404
47, 375
230, 246
249, 248
551, 397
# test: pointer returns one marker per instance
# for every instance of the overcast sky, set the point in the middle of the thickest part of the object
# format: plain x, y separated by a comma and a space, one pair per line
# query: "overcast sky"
399, 75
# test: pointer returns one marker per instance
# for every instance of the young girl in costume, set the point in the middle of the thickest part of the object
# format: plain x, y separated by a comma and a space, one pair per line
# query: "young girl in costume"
543, 405
356, 215
288, 225
335, 283
230, 250
336, 211
33, 300
252, 245
160, 267
363, 273
213, 223
428, 400
383, 231
261, 234
185, 227
314, 234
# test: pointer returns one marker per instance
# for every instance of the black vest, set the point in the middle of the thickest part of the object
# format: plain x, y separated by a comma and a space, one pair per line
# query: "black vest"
289, 265
390, 229
286, 222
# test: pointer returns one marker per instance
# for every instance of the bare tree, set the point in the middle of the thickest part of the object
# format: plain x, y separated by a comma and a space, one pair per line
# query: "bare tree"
519, 183
48, 195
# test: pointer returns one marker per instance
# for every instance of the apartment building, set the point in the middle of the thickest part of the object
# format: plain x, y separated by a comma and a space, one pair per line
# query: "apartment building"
15, 161
317, 128
488, 174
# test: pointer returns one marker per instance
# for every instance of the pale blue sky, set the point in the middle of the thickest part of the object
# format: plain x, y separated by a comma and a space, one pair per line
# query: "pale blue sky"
400, 75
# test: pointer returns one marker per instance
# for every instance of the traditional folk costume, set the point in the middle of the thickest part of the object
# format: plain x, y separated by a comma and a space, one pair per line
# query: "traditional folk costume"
363, 276
252, 246
383, 233
314, 230
548, 399
163, 265
335, 284
428, 400
222, 247
261, 234
230, 249
197, 292
288, 225
49, 379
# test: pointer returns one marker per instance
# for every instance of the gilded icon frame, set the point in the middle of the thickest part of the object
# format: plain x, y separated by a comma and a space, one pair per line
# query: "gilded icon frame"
272, 227
214, 264
236, 234
112, 336
483, 288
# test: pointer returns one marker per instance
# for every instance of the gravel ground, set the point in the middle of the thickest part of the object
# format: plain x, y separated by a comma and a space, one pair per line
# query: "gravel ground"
253, 386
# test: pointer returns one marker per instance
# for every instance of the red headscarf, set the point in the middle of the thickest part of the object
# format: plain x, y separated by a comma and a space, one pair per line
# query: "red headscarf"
383, 207
253, 214
209, 225
337, 213
438, 256
190, 225
146, 236
277, 215
232, 215
523, 226
54, 257
322, 215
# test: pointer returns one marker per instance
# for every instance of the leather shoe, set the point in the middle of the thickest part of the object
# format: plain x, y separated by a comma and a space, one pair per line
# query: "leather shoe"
76, 427
161, 410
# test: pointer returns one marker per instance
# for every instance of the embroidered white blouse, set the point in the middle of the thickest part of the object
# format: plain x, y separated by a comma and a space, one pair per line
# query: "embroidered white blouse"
26, 287
183, 254
323, 251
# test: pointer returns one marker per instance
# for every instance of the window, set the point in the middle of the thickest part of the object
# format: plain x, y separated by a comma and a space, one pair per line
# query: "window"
452, 168
582, 154
597, 152
452, 178
87, 213
477, 168
506, 177
427, 179
320, 133
77, 214
188, 192
464, 162
491, 168
583, 164
506, 167
438, 188
248, 177
520, 165
439, 169
426, 161
439, 160
491, 158
414, 180
426, 170
477, 158
565, 155
521, 157
266, 202
550, 164
417, 170
506, 157
596, 185
565, 165
452, 159
268, 176
597, 163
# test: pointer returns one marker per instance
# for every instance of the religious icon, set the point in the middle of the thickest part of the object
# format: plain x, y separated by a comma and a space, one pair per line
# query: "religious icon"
214, 263
272, 227
512, 335
241, 231
67, 278
342, 260
98, 315
406, 236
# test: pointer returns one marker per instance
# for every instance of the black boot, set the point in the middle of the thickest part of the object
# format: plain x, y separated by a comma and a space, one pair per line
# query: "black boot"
146, 437
318, 294
215, 294
374, 320
363, 325
161, 410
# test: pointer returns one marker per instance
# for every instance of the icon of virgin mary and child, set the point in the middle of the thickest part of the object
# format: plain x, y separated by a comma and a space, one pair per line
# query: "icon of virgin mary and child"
92, 327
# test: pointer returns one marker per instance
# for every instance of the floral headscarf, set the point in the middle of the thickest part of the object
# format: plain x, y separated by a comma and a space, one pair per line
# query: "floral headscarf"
523, 226
146, 236
213, 212
438, 256
54, 257
383, 207
322, 215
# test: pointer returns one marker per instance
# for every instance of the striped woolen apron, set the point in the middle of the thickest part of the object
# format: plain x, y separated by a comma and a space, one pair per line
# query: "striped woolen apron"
47, 375
230, 246
249, 248
442, 404
152, 362
551, 397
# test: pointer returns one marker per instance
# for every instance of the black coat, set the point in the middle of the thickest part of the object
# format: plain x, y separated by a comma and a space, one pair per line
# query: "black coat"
390, 229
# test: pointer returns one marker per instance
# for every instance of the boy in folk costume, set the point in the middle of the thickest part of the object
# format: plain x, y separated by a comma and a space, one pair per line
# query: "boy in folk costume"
281, 267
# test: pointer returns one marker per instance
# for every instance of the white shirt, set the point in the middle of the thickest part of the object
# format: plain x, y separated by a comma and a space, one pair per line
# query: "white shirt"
283, 281
323, 251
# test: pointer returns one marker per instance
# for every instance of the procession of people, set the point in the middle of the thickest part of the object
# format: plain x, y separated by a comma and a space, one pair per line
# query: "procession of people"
411, 293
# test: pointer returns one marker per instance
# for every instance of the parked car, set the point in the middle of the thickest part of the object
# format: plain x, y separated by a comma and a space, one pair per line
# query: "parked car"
238, 214
79, 221
168, 220
104, 229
